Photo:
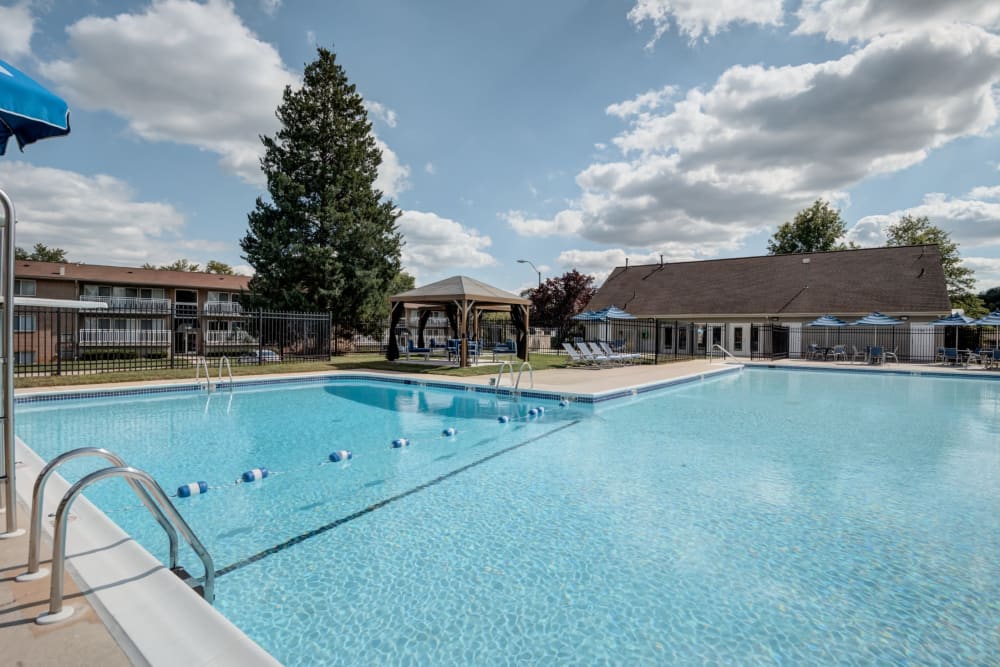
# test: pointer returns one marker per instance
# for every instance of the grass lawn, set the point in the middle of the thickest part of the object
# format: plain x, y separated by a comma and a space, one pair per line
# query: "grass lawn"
349, 362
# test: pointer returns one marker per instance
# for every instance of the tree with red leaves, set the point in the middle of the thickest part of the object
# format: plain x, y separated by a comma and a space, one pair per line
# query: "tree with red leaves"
557, 300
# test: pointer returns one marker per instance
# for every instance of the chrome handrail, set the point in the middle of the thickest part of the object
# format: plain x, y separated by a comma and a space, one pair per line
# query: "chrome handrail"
229, 367
38, 492
725, 353
208, 376
531, 375
59, 537
504, 364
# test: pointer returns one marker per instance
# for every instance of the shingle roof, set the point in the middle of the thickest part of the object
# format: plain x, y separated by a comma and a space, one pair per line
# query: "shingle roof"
127, 275
907, 279
458, 288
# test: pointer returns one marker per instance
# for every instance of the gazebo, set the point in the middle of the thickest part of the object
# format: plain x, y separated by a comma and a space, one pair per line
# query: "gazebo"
462, 298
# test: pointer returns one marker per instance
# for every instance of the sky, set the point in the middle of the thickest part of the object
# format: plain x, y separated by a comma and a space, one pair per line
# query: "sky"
573, 134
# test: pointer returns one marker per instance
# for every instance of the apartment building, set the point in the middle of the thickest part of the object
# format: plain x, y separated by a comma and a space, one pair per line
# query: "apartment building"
159, 311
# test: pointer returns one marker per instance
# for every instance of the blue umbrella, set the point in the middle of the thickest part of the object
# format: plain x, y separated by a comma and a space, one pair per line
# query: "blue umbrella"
586, 316
876, 319
613, 313
954, 320
827, 321
991, 320
28, 112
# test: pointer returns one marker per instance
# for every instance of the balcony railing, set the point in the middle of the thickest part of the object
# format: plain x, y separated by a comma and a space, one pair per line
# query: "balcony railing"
124, 337
223, 308
229, 338
131, 303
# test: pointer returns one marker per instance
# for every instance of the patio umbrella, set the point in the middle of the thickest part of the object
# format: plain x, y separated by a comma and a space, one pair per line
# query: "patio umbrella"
954, 320
876, 319
991, 320
827, 321
28, 113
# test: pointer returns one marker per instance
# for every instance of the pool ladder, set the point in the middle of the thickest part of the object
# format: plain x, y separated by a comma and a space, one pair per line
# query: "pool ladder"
725, 353
152, 497
514, 383
208, 376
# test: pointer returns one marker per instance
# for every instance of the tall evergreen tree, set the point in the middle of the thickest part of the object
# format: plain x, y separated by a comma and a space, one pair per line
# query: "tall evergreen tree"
325, 240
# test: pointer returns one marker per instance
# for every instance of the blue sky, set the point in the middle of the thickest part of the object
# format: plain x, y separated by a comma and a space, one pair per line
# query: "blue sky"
572, 134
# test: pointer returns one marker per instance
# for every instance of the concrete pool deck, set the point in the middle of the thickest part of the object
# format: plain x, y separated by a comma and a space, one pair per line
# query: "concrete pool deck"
92, 636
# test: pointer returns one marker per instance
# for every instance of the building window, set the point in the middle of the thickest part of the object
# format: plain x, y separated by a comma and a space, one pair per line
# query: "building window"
682, 339
24, 358
97, 290
738, 339
668, 338
24, 323
25, 288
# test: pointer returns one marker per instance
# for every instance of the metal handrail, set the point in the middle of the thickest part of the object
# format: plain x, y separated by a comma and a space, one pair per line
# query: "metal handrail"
531, 375
504, 364
725, 353
59, 537
229, 367
208, 376
38, 492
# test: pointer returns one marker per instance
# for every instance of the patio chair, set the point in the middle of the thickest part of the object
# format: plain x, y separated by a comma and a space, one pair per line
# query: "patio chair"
598, 359
625, 357
812, 352
838, 351
939, 355
575, 358
876, 355
950, 356
891, 356
411, 349
991, 358
507, 347
857, 354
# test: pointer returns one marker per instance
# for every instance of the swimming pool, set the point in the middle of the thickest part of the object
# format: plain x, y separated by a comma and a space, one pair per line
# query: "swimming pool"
765, 516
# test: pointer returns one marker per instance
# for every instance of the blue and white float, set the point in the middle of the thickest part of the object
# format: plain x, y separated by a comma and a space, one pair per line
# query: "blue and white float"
342, 455
192, 489
400, 442
533, 412
255, 475
503, 419
448, 432
563, 403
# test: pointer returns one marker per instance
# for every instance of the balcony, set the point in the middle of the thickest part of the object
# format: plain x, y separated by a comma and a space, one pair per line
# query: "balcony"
125, 337
229, 338
131, 303
223, 308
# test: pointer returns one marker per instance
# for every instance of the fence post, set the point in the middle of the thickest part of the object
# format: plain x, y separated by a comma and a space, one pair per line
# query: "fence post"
59, 315
171, 322
260, 336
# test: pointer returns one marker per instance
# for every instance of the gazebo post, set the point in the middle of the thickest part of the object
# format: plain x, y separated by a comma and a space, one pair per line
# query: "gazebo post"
527, 334
463, 357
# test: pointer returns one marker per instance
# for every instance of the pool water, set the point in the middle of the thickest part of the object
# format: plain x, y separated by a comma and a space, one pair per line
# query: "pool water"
760, 517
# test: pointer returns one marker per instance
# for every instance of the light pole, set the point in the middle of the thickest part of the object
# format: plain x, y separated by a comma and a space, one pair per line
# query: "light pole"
529, 263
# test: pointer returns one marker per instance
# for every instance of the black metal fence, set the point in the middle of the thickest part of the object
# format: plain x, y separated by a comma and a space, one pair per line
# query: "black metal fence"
918, 344
128, 336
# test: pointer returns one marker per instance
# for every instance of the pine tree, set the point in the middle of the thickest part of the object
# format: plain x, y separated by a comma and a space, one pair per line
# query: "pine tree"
325, 240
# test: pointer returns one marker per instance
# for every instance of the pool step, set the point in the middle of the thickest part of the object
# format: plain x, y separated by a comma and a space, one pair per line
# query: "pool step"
196, 584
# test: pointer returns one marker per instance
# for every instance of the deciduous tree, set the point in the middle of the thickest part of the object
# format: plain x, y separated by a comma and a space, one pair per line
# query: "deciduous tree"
41, 253
325, 239
818, 228
558, 299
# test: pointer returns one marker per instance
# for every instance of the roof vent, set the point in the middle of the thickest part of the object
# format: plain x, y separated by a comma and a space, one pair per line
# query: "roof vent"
62, 270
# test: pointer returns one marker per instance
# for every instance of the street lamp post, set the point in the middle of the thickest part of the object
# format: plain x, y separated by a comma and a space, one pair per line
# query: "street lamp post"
529, 263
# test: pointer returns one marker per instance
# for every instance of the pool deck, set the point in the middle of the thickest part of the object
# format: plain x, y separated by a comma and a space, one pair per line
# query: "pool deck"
92, 636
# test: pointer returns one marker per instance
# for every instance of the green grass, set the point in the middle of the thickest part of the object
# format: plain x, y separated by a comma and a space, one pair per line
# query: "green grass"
349, 362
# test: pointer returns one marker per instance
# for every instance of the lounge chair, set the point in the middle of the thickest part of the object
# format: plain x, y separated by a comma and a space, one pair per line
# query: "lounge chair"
624, 357
575, 358
411, 349
598, 358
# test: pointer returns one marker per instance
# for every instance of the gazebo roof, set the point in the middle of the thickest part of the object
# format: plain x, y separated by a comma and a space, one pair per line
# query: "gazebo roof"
458, 288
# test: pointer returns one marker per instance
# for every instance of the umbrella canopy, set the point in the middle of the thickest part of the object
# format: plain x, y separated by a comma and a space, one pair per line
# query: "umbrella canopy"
28, 112
876, 319
991, 320
586, 316
954, 320
609, 313
827, 321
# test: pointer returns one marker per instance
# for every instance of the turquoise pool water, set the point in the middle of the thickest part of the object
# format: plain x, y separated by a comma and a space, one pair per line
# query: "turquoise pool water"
762, 517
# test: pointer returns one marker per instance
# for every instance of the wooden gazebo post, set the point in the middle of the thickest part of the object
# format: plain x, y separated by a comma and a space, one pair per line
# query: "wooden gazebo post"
463, 357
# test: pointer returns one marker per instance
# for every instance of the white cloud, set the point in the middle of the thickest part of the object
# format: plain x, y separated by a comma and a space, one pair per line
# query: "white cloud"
96, 218
243, 270
192, 73
270, 7
429, 168
970, 222
393, 175
697, 19
847, 20
17, 26
381, 112
720, 164
647, 101
600, 263
987, 270
564, 223
985, 192
433, 243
